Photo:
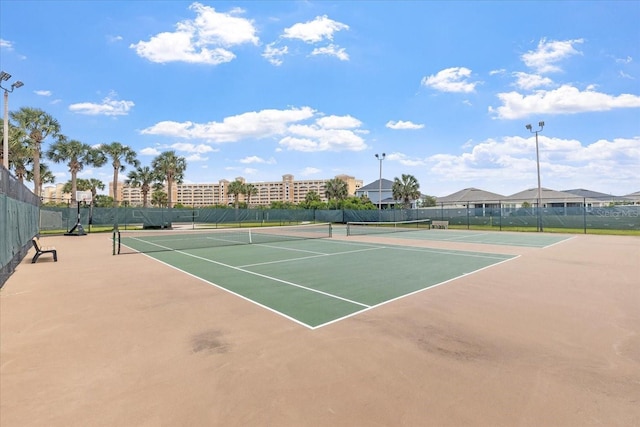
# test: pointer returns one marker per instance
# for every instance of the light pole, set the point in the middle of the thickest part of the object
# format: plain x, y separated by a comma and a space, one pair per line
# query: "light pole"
5, 137
541, 124
380, 158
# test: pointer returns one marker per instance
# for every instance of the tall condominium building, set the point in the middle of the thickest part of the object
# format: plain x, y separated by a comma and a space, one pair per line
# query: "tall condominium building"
54, 194
196, 195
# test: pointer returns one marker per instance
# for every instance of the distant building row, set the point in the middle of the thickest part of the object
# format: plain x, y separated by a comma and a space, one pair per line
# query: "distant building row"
196, 195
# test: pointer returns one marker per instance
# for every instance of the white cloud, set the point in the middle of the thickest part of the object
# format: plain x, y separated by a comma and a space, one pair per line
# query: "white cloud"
338, 122
549, 53
205, 39
6, 44
531, 81
274, 54
114, 39
42, 92
192, 148
196, 158
326, 133
400, 124
309, 171
453, 79
500, 71
563, 100
405, 160
627, 60
321, 28
311, 138
108, 107
254, 124
332, 50
150, 151
566, 163
256, 159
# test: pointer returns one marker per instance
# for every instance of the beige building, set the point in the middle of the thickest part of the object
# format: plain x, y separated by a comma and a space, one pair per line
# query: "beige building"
196, 195
54, 194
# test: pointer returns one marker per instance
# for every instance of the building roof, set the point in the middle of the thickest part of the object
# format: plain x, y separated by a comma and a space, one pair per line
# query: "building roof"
375, 185
581, 192
545, 194
470, 195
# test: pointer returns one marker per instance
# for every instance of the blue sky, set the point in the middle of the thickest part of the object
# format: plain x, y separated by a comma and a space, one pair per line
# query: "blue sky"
259, 89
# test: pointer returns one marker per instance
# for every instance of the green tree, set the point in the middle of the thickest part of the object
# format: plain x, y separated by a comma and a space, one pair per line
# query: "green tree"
249, 191
236, 188
143, 177
312, 200
38, 125
159, 198
91, 184
336, 190
170, 168
19, 158
406, 189
358, 203
428, 201
17, 146
103, 201
120, 156
77, 155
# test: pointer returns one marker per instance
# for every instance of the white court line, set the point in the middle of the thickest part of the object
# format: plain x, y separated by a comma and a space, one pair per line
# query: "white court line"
275, 279
561, 241
308, 257
409, 294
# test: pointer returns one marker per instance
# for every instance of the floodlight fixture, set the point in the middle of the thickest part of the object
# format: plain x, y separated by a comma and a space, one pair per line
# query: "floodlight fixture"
4, 76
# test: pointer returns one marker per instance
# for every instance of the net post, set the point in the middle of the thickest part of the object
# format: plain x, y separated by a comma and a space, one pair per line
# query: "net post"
113, 243
330, 230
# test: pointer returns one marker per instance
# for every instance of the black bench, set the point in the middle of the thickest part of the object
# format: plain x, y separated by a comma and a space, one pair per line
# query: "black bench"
43, 250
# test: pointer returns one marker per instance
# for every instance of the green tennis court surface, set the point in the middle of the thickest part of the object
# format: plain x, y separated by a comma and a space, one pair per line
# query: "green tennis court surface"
319, 281
531, 240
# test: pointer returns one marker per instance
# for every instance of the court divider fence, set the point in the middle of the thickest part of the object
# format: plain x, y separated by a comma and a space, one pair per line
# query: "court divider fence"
572, 219
18, 223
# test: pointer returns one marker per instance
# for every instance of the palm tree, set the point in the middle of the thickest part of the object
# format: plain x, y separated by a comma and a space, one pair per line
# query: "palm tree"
236, 188
250, 190
17, 143
38, 125
19, 158
77, 155
91, 184
46, 176
120, 155
142, 177
406, 189
159, 198
336, 189
94, 185
170, 168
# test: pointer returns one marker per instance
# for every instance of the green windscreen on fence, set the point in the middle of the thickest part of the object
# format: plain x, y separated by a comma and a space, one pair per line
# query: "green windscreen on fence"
18, 224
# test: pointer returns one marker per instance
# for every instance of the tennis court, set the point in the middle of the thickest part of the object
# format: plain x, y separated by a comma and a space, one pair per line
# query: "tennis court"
299, 273
548, 338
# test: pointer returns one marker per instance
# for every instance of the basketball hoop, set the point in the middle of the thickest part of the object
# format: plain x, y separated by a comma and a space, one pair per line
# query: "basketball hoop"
85, 197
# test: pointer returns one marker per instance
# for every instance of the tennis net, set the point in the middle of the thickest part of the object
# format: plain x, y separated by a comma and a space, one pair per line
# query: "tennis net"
356, 228
146, 241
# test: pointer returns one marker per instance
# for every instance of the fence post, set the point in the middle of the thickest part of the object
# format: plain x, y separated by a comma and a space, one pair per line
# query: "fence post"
584, 213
